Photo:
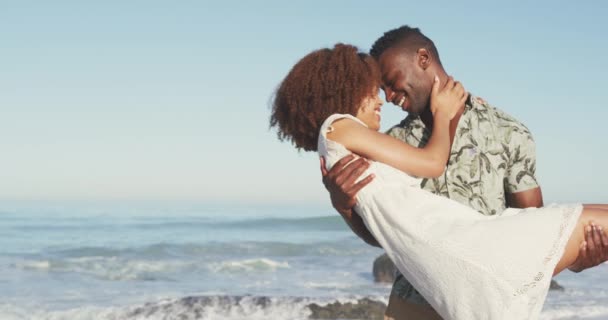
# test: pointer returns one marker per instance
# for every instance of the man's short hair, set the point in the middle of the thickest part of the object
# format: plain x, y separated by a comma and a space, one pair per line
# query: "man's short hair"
405, 37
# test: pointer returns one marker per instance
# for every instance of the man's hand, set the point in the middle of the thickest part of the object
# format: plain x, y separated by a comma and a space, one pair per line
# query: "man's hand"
593, 251
340, 182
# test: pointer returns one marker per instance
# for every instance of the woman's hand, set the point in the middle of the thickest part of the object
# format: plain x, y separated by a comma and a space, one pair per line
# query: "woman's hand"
449, 100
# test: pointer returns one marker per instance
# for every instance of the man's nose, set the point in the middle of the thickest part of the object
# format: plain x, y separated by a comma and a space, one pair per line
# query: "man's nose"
388, 94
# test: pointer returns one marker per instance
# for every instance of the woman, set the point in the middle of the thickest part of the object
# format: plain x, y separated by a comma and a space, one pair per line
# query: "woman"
329, 102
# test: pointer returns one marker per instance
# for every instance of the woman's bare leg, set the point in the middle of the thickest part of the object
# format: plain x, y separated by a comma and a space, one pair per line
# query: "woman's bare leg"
596, 213
597, 206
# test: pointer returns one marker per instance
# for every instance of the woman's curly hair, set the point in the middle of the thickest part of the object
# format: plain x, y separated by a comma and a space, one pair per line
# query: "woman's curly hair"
324, 82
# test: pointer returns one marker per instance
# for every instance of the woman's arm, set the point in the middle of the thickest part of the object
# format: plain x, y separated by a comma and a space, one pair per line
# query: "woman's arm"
429, 161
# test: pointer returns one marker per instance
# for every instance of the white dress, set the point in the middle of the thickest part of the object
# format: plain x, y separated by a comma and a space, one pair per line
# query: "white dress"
466, 265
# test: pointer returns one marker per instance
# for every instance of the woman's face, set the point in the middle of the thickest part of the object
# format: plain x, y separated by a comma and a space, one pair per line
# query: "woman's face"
369, 111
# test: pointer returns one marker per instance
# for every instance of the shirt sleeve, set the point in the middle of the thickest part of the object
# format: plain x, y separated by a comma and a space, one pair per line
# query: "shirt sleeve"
521, 168
396, 132
410, 131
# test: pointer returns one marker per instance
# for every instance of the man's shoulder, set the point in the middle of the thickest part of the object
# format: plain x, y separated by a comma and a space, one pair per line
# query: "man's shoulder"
406, 127
409, 121
499, 118
411, 131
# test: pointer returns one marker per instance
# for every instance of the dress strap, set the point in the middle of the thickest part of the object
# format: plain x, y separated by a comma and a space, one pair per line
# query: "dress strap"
331, 150
326, 127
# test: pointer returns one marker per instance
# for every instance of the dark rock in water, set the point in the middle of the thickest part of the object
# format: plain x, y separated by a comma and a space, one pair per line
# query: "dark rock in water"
384, 269
555, 286
195, 307
216, 307
363, 309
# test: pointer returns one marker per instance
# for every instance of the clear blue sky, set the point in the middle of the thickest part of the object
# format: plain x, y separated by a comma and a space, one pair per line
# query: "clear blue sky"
169, 100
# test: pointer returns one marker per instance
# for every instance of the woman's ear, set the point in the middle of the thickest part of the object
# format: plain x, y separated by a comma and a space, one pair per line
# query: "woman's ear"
362, 108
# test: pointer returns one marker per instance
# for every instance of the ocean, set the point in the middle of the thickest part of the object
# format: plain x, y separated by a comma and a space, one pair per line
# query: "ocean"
193, 261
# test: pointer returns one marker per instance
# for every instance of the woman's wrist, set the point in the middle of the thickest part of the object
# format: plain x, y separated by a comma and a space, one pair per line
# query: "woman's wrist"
441, 116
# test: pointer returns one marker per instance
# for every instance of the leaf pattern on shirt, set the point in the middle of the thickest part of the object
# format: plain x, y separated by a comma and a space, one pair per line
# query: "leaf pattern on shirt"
492, 154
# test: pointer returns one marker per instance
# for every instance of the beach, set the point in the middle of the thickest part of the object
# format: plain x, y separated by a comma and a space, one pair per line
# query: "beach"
151, 261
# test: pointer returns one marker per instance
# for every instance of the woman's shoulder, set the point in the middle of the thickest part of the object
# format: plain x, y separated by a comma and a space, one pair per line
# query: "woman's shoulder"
341, 120
330, 143
339, 116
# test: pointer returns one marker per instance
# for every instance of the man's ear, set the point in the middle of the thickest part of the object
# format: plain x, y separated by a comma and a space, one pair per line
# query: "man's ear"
424, 58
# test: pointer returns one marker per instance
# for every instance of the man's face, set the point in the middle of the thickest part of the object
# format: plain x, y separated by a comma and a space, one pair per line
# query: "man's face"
405, 83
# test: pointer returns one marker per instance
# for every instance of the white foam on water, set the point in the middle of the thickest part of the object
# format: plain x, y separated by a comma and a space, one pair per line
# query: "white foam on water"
248, 265
277, 309
575, 312
331, 251
107, 268
246, 308
119, 269
33, 265
328, 285
10, 312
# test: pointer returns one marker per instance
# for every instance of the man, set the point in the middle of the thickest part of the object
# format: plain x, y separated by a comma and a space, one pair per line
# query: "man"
492, 161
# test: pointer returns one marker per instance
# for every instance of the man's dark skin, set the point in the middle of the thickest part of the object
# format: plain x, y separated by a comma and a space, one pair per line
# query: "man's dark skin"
411, 79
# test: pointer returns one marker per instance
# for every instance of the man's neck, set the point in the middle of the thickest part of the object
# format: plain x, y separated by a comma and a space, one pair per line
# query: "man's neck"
427, 118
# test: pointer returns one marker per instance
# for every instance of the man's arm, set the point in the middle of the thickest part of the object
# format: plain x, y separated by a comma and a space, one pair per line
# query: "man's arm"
341, 183
356, 224
525, 199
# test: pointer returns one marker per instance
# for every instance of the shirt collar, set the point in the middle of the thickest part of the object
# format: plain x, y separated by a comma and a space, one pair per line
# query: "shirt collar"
472, 101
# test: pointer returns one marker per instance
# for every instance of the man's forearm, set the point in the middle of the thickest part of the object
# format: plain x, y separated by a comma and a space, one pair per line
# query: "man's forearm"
356, 224
525, 199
